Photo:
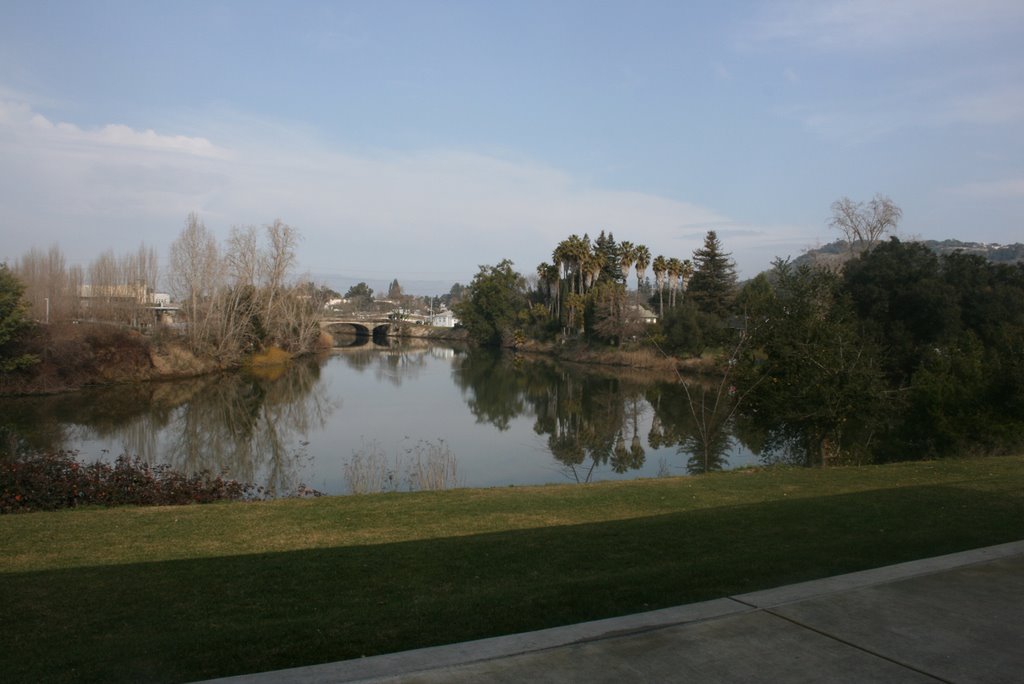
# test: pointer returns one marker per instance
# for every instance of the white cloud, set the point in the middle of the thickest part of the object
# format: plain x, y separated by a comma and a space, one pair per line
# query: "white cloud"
19, 116
428, 214
864, 25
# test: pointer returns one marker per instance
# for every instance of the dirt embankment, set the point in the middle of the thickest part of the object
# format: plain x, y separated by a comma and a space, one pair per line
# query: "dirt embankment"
73, 356
642, 358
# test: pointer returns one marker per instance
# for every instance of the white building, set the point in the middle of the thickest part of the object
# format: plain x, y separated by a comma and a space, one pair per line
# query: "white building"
643, 313
444, 319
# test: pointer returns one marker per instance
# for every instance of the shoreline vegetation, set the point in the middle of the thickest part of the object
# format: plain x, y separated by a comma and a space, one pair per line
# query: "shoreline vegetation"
171, 594
893, 352
82, 355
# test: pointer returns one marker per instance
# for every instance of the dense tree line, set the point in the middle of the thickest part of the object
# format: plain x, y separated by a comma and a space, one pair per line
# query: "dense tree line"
583, 294
902, 354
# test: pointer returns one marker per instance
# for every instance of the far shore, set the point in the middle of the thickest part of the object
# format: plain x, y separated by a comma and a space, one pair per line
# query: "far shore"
78, 356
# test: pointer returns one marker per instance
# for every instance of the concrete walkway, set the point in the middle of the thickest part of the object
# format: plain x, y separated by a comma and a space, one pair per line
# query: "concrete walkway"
955, 618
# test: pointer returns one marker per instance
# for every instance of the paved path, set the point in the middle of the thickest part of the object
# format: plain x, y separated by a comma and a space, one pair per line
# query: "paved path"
956, 618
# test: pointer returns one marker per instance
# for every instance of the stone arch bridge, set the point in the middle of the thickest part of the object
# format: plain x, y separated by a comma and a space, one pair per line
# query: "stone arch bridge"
375, 328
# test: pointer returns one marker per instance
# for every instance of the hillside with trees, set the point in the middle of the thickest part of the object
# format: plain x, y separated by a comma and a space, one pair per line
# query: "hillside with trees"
836, 253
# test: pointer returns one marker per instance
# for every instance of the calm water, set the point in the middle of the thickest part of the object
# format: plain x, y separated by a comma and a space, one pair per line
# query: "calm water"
373, 414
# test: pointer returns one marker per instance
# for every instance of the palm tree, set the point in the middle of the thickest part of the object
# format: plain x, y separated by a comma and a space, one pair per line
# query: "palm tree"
585, 259
685, 273
627, 256
547, 284
660, 266
596, 267
561, 258
643, 259
577, 250
674, 266
590, 268
565, 256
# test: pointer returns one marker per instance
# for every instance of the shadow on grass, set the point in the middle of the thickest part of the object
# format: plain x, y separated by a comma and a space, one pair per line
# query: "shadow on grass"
186, 620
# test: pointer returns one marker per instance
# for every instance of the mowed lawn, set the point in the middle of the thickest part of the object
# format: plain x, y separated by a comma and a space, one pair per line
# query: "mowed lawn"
184, 593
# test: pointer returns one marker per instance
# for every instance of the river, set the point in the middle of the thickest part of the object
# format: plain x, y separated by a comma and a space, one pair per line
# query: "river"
401, 418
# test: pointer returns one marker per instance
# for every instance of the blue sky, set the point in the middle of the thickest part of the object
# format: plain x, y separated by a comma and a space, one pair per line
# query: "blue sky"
418, 140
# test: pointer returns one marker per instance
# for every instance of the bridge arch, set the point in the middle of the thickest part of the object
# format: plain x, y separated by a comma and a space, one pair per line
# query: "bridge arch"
343, 331
348, 327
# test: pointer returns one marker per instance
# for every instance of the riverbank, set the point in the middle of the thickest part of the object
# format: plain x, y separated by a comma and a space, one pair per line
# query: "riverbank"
178, 594
73, 356
634, 356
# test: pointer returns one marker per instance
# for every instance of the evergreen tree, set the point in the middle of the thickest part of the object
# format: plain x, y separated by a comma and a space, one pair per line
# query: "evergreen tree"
14, 321
609, 252
713, 284
361, 295
496, 298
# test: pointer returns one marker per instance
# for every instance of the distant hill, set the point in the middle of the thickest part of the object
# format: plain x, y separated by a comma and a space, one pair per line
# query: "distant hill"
835, 253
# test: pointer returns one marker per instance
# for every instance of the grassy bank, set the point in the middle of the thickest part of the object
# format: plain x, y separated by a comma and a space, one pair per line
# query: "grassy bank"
174, 594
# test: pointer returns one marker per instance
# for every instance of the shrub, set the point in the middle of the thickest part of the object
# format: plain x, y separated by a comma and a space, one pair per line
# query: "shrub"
50, 481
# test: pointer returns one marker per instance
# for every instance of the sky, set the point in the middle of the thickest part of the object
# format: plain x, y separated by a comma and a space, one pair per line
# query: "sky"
419, 140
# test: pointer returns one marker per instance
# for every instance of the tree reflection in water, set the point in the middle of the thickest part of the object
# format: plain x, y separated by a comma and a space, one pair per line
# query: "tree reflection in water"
392, 364
590, 423
590, 419
696, 419
250, 425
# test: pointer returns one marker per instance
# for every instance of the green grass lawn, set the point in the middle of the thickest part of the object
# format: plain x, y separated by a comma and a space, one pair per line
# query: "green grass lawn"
184, 593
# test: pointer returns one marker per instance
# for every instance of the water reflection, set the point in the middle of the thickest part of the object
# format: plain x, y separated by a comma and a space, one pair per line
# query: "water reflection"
250, 425
592, 419
507, 419
253, 425
697, 419
393, 364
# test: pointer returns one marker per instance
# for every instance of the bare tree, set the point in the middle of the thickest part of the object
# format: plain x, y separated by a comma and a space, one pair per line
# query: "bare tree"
244, 262
299, 310
50, 288
863, 226
242, 301
142, 268
195, 278
139, 276
105, 295
242, 256
278, 263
